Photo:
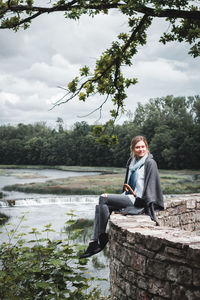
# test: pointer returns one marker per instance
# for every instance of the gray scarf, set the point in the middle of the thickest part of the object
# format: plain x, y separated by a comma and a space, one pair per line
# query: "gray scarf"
134, 166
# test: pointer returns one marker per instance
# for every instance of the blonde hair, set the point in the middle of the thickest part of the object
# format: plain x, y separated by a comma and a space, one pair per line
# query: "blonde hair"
135, 140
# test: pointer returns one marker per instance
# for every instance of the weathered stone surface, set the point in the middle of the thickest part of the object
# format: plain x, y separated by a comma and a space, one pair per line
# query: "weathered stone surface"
178, 292
156, 268
141, 250
153, 244
198, 204
138, 262
191, 204
142, 282
180, 274
143, 295
196, 278
193, 254
176, 252
148, 262
158, 287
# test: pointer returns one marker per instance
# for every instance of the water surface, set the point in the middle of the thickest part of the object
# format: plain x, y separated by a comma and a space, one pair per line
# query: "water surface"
41, 210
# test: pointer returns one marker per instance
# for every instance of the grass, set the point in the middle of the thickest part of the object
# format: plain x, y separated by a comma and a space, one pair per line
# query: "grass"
180, 181
84, 185
109, 181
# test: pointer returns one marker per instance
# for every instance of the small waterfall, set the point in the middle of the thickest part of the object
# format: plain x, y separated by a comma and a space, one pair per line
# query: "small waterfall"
36, 201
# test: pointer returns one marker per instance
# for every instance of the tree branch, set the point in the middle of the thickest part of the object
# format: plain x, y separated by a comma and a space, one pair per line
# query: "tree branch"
67, 7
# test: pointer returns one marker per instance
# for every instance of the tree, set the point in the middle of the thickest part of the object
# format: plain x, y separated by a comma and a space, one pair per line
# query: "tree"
108, 77
171, 127
60, 122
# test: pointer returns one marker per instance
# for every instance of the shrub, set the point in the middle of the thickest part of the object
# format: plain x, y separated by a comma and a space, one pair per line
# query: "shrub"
42, 268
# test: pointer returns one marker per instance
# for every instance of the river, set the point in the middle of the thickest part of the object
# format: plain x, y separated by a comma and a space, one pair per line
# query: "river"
41, 210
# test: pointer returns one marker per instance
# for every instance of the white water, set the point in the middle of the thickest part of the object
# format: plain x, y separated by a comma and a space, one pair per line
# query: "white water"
41, 210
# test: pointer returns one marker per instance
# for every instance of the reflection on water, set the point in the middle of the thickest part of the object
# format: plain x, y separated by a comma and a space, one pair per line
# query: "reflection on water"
53, 209
37, 216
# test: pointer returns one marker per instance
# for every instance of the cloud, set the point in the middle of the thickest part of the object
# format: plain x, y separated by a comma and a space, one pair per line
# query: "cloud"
50, 53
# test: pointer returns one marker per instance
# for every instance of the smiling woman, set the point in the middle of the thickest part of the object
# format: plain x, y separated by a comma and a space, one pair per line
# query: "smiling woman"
143, 179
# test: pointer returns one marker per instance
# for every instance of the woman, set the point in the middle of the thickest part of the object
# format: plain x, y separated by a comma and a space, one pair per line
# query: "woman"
143, 179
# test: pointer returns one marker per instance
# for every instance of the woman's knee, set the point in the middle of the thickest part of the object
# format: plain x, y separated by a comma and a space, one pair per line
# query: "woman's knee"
103, 199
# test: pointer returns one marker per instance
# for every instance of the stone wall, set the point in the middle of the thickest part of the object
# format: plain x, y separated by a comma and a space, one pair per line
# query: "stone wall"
181, 211
149, 262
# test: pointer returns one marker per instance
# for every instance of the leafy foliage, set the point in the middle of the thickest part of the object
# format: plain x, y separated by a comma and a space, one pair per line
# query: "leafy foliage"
42, 268
171, 125
108, 77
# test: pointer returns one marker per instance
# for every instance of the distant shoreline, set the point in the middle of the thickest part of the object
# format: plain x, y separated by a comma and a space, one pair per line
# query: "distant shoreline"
110, 180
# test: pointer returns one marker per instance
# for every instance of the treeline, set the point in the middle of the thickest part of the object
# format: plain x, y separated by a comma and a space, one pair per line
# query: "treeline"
170, 124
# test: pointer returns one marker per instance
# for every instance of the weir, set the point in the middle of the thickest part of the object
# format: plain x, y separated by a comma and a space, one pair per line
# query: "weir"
48, 200
149, 262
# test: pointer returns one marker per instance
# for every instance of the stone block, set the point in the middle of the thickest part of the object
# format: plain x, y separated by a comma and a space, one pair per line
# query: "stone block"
197, 228
196, 277
142, 295
170, 211
177, 202
132, 277
193, 294
193, 255
128, 289
169, 251
181, 209
156, 269
178, 292
197, 216
142, 282
130, 238
169, 259
174, 221
143, 251
126, 257
117, 293
190, 204
158, 287
117, 250
138, 262
188, 218
189, 227
179, 274
153, 243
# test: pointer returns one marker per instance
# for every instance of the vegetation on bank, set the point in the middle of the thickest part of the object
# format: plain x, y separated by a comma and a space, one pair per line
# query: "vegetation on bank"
43, 267
103, 170
172, 181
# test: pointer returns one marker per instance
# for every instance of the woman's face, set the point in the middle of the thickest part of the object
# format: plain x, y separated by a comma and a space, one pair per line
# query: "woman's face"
140, 149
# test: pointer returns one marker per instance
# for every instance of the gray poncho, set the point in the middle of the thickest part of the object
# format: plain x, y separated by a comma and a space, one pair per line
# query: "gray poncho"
152, 194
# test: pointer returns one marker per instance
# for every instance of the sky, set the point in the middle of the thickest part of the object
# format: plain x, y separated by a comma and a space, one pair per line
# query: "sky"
34, 63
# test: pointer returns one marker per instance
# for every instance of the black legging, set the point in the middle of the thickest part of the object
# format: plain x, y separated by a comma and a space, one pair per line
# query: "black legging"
108, 204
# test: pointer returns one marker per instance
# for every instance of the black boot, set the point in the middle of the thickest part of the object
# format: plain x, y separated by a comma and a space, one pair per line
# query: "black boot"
92, 249
103, 240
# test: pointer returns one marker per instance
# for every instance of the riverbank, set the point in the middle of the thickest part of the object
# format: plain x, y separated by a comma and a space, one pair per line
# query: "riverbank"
110, 180
103, 170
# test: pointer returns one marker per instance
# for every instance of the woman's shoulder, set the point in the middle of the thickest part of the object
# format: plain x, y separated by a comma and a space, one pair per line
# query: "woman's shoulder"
150, 160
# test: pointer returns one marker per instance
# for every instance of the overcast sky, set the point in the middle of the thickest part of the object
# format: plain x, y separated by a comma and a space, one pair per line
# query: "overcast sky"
33, 63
